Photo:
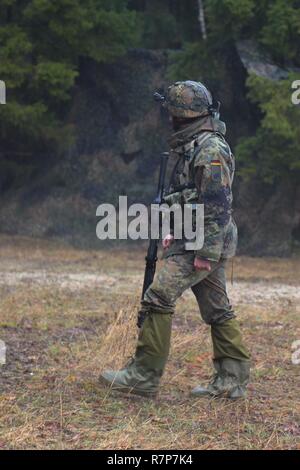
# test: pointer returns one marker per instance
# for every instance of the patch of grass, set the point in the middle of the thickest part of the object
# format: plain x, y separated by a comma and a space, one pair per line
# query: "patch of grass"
61, 331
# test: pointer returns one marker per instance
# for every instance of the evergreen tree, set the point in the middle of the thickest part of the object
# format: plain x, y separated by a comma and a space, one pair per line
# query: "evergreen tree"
41, 45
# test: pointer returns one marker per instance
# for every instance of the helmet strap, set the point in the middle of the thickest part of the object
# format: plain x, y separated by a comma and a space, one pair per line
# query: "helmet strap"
214, 110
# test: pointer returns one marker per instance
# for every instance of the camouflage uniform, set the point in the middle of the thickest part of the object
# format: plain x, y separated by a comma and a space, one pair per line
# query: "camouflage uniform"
205, 170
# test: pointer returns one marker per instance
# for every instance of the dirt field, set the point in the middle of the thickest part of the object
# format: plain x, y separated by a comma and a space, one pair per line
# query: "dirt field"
66, 314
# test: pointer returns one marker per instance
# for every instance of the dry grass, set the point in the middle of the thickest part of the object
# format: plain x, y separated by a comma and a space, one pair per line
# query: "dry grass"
66, 314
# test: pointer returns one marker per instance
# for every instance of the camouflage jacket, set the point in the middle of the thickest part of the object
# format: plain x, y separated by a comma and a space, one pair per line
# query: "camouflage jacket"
206, 166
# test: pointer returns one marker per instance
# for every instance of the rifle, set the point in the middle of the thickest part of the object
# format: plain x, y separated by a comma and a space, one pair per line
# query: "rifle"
151, 257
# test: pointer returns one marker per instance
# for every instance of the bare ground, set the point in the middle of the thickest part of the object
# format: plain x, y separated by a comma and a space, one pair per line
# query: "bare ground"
66, 314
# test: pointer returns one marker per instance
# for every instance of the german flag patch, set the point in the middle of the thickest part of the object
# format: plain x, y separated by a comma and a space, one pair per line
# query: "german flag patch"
216, 170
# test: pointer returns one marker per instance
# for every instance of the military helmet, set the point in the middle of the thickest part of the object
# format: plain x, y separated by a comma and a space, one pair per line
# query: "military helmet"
188, 99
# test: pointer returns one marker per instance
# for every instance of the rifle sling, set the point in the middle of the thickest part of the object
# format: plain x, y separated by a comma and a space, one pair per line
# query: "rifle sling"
181, 187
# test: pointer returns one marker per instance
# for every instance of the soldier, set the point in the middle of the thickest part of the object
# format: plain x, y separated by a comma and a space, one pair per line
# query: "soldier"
205, 169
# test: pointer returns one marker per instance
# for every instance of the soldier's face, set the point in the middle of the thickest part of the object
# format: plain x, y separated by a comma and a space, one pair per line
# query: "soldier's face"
175, 122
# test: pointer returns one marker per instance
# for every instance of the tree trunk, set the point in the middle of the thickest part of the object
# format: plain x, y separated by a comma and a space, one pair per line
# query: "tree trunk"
201, 17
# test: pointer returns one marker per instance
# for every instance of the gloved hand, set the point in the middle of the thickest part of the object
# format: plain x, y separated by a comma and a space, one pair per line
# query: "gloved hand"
167, 241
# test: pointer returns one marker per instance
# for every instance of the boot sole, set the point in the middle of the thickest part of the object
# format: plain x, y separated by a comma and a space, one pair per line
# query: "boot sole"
129, 390
220, 395
206, 395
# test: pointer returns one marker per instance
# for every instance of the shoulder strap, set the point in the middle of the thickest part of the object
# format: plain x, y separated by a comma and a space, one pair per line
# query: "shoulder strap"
187, 155
203, 137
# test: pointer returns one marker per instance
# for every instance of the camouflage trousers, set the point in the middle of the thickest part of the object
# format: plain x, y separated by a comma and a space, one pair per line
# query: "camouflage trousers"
209, 287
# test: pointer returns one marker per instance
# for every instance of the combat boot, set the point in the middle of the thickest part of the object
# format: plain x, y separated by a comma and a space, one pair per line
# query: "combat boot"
132, 379
141, 376
230, 380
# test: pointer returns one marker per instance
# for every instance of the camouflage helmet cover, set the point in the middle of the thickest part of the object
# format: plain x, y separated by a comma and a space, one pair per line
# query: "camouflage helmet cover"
188, 99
